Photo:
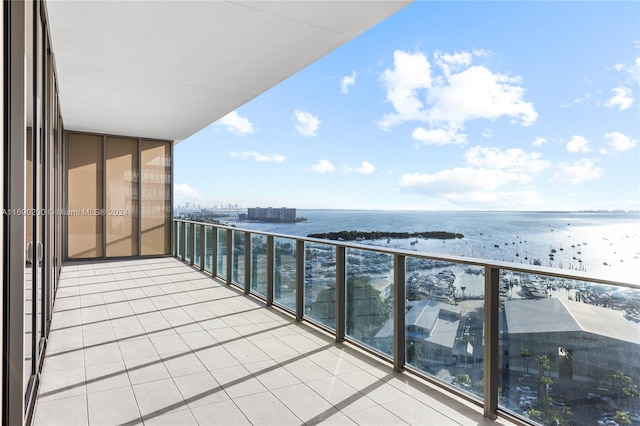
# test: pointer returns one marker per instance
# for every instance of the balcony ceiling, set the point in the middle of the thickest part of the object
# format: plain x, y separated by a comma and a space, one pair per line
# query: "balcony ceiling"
166, 69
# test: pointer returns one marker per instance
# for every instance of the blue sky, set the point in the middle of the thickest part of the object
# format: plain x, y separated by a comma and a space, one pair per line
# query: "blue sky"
443, 106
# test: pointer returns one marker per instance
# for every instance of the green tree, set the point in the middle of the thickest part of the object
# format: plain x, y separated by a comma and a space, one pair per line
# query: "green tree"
623, 385
525, 354
544, 365
413, 353
622, 418
462, 379
324, 307
366, 312
559, 416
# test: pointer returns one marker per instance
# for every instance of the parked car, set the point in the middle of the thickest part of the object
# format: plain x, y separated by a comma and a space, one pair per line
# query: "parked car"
592, 395
635, 417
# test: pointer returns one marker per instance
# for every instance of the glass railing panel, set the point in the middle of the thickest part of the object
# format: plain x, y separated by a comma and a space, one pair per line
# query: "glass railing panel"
222, 253
237, 264
179, 236
369, 299
284, 291
569, 350
444, 322
208, 250
196, 248
188, 242
320, 283
259, 264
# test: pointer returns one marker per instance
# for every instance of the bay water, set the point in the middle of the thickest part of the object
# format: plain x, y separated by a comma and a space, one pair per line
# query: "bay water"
606, 244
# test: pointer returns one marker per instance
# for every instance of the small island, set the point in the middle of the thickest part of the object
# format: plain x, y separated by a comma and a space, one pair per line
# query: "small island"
378, 235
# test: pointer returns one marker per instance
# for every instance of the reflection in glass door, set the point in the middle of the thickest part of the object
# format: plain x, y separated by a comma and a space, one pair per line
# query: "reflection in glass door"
34, 213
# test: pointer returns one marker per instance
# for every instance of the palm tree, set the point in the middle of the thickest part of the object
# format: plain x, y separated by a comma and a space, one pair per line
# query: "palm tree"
525, 354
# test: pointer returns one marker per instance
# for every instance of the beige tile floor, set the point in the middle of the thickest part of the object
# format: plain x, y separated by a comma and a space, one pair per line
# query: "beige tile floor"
156, 342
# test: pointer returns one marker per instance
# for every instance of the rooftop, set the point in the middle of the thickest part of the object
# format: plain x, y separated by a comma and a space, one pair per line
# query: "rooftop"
558, 315
167, 344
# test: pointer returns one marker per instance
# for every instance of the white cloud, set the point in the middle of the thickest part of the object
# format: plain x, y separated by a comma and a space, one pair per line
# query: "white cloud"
576, 172
487, 133
365, 168
619, 141
245, 155
632, 70
323, 166
514, 159
478, 93
410, 73
493, 199
578, 100
308, 124
183, 193
441, 136
622, 98
347, 82
578, 144
461, 179
471, 187
236, 124
482, 52
449, 63
539, 142
448, 100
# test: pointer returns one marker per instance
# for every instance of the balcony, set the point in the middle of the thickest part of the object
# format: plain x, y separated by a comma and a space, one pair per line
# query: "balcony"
210, 337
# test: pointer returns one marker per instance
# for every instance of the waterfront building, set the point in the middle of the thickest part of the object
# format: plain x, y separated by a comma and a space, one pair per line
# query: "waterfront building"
432, 327
572, 334
271, 214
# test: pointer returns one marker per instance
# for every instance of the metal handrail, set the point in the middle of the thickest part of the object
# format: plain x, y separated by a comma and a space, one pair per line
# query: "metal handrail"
491, 270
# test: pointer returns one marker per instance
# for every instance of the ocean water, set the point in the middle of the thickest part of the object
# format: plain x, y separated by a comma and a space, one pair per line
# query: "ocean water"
604, 244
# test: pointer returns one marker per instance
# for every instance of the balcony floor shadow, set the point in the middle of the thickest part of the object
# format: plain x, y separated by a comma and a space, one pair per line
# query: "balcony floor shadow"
167, 344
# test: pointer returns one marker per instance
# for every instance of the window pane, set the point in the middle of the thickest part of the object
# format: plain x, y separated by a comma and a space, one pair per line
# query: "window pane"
369, 295
222, 252
320, 283
259, 264
188, 231
84, 195
569, 349
122, 197
444, 322
208, 250
237, 268
156, 197
284, 292
196, 249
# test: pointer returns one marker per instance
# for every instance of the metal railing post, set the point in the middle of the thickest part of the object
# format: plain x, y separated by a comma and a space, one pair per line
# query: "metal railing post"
248, 257
299, 280
183, 241
192, 237
491, 372
271, 264
229, 256
202, 246
399, 312
214, 251
174, 238
341, 302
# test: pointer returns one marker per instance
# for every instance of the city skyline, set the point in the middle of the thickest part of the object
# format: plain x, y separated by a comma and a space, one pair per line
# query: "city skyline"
443, 106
